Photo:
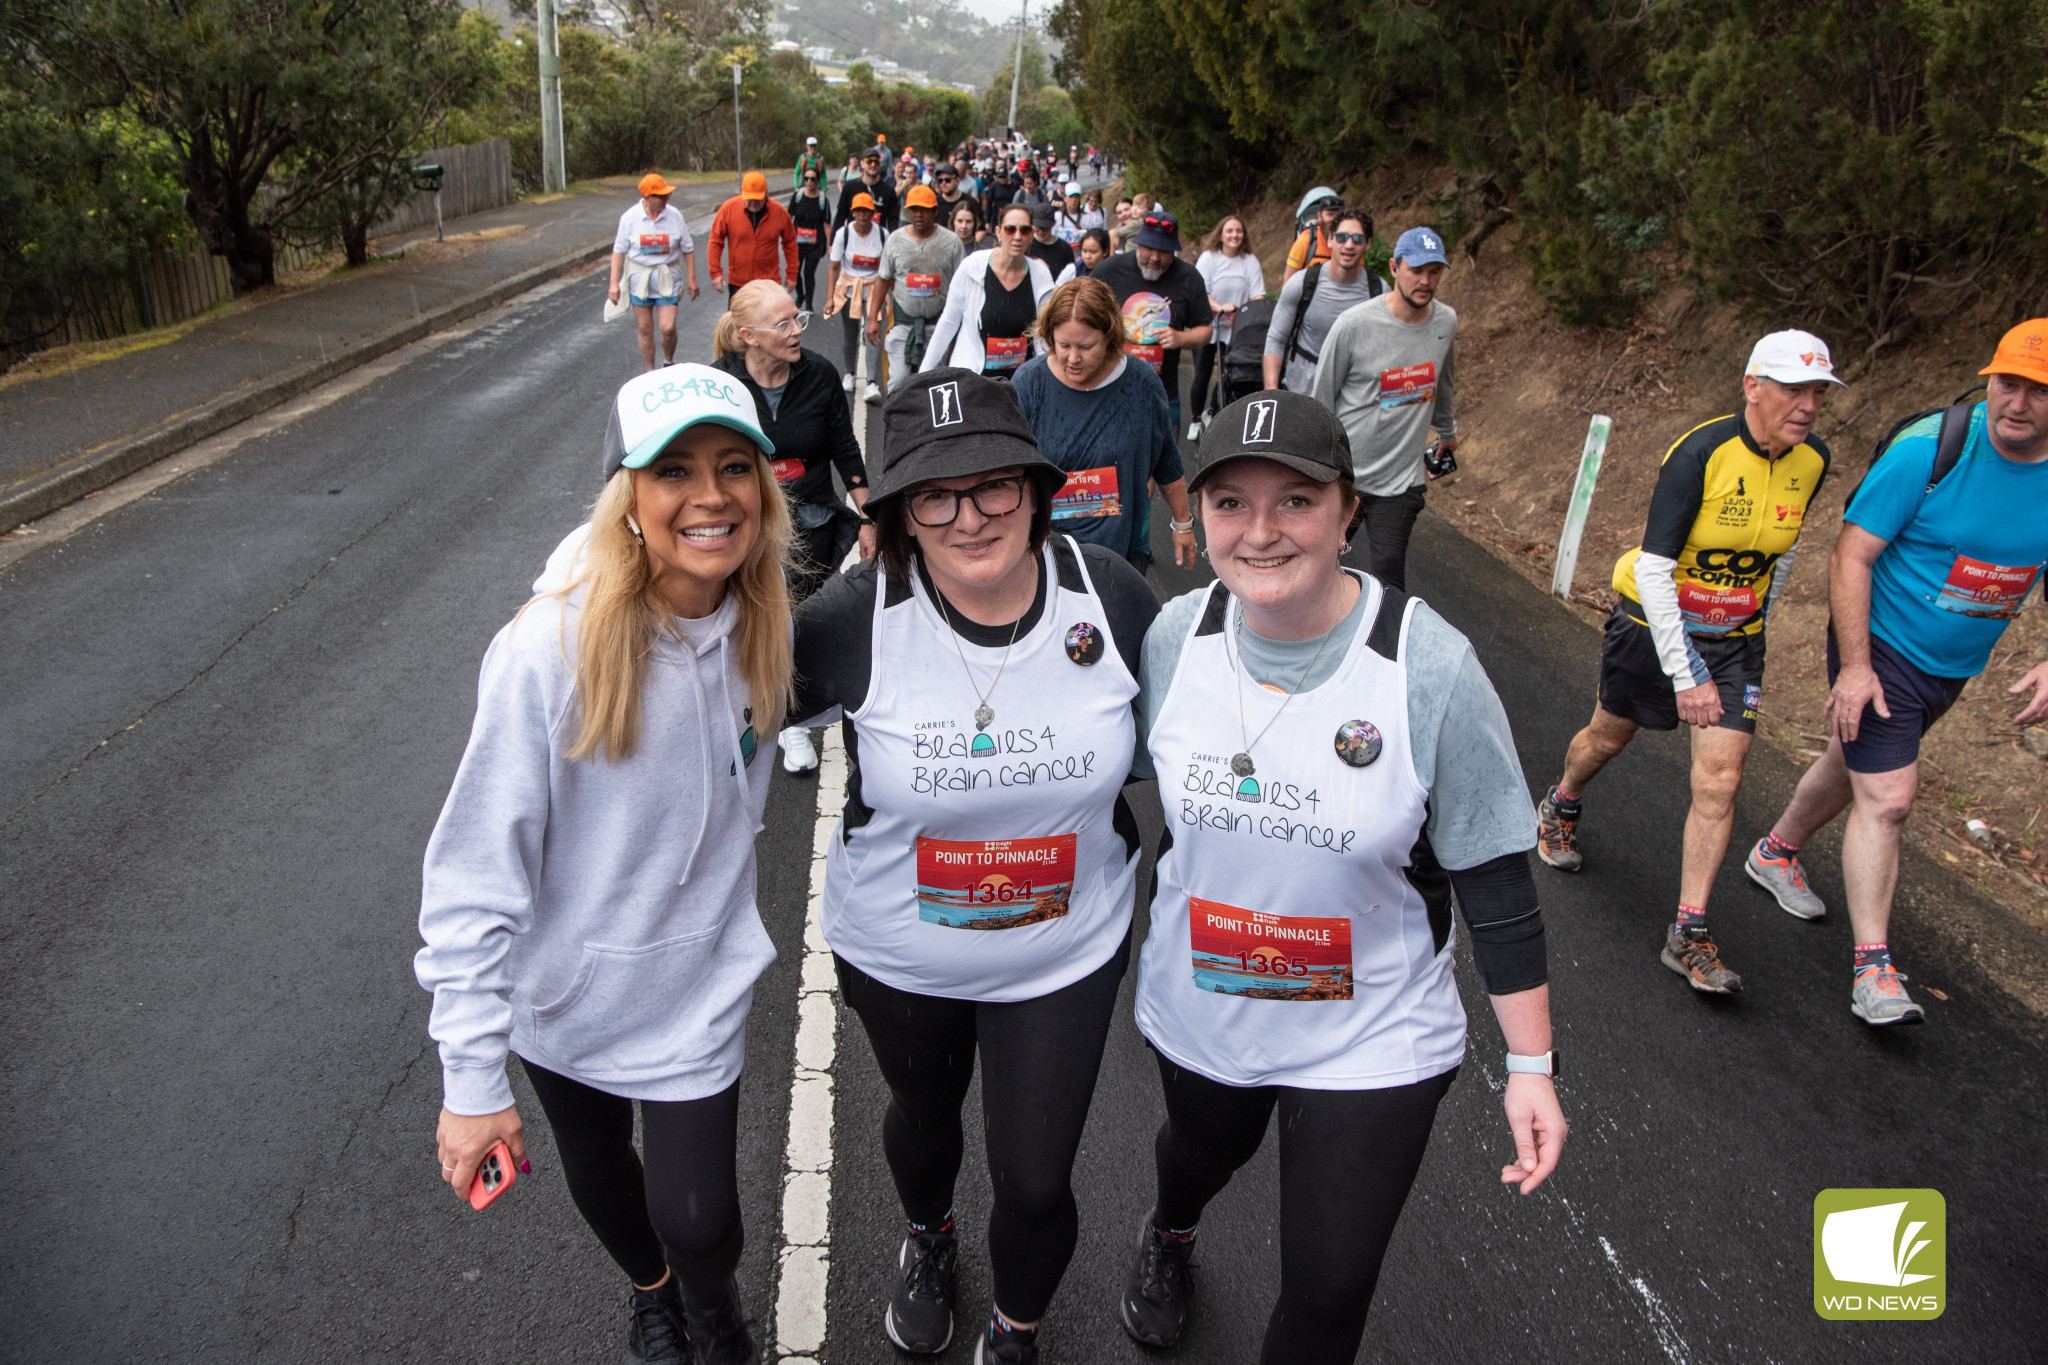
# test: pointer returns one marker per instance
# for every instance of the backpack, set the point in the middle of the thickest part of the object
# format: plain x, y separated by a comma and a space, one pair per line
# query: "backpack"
1244, 363
1310, 278
1948, 444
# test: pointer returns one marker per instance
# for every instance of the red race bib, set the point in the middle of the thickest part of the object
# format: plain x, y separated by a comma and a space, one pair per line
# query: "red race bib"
807, 236
1088, 493
1269, 957
786, 471
1154, 356
921, 286
654, 241
1715, 609
1005, 353
864, 264
1975, 588
993, 883
1408, 384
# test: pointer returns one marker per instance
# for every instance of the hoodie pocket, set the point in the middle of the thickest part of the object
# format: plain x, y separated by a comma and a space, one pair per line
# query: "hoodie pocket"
643, 1011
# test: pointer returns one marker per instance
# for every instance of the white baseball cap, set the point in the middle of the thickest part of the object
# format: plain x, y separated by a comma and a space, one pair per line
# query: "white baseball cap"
810, 142
1792, 358
652, 409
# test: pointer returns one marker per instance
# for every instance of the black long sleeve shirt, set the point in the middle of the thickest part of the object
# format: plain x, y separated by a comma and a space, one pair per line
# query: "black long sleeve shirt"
811, 428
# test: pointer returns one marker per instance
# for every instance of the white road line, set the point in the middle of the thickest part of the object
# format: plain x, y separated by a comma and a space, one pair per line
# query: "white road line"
805, 1258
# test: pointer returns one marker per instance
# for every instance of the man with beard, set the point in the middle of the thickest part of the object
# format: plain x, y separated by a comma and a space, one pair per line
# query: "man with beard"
876, 186
1165, 301
1313, 299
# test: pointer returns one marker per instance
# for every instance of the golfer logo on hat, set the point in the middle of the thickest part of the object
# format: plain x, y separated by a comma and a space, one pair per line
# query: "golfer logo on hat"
946, 405
1258, 421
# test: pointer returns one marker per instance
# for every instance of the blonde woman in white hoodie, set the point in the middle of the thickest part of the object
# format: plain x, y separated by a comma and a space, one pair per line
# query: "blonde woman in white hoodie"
588, 896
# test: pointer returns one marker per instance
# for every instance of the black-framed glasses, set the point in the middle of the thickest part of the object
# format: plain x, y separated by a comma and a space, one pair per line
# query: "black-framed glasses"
934, 507
1353, 238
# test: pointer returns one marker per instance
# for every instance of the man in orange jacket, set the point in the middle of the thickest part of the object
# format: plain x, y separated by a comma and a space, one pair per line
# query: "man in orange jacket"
755, 235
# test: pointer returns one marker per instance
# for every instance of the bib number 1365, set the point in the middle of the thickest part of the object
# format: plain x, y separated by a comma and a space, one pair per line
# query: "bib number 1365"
1269, 957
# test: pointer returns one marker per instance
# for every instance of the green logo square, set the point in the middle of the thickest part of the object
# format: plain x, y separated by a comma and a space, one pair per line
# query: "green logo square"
1880, 1254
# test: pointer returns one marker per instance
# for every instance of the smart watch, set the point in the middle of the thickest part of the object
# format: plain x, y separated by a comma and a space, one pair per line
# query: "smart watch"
1542, 1064
1180, 526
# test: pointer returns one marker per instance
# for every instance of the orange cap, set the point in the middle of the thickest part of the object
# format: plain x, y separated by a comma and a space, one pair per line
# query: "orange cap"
863, 201
2023, 351
753, 185
921, 197
881, 137
651, 183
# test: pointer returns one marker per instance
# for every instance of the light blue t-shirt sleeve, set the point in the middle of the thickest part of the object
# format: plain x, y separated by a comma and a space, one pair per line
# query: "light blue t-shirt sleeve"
1157, 660
1464, 751
1891, 492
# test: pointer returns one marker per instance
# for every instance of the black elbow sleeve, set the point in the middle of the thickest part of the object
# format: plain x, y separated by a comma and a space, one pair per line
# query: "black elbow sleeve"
1498, 900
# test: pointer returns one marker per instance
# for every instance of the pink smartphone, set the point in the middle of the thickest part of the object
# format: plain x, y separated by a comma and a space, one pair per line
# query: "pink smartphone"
493, 1177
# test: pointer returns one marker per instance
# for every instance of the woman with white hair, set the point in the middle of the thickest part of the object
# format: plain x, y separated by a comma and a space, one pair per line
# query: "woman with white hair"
588, 894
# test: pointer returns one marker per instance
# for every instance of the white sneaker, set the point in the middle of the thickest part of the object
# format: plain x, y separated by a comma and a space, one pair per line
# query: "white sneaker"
1194, 431
846, 383
799, 755
874, 393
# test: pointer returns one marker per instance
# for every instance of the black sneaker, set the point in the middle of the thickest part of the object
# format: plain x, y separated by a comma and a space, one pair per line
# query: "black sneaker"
1011, 1348
1160, 1291
656, 1336
722, 1338
920, 1315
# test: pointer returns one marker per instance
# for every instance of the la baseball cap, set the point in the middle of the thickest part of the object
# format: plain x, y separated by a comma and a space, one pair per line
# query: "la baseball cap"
1290, 429
652, 183
2023, 351
1420, 246
1791, 357
1161, 232
753, 185
921, 197
862, 201
949, 423
654, 408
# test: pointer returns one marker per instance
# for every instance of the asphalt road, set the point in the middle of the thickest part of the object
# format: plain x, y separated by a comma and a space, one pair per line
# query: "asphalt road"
232, 709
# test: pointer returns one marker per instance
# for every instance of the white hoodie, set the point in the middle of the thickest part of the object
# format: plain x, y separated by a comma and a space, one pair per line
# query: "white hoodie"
597, 917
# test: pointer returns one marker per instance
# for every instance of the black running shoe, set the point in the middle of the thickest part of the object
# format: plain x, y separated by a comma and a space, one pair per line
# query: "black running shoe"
656, 1336
722, 1338
1010, 1348
1160, 1291
920, 1315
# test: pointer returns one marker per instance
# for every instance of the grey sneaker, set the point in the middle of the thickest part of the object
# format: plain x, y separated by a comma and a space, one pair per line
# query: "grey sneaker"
1691, 954
1879, 997
1557, 836
1785, 879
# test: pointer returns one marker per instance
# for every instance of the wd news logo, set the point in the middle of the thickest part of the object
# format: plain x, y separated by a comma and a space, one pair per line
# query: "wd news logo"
1880, 1254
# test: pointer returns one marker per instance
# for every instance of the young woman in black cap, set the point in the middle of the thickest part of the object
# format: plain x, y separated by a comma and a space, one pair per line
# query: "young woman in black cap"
1333, 764
978, 894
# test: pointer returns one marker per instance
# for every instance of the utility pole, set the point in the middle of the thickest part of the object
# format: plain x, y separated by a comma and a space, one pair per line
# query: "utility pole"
739, 161
1016, 63
553, 177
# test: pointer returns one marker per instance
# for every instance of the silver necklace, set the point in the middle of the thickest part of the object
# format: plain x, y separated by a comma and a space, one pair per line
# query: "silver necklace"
1241, 761
984, 714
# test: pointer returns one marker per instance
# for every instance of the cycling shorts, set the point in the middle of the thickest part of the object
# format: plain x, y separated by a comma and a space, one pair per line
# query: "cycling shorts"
1634, 685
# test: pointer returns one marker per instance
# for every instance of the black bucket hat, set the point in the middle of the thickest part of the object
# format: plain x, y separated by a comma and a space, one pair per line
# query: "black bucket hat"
1290, 429
950, 423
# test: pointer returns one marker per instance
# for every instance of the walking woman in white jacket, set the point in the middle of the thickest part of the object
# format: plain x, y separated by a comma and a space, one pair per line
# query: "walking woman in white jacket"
992, 305
588, 897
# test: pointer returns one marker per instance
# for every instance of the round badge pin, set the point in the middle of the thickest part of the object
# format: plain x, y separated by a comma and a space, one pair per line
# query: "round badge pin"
1358, 742
1084, 644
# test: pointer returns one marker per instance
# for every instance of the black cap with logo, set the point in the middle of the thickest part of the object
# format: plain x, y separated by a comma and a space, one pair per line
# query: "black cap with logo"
950, 423
1290, 429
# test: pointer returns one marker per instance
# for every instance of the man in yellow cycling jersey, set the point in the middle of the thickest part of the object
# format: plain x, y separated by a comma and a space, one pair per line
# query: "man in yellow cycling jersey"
1685, 641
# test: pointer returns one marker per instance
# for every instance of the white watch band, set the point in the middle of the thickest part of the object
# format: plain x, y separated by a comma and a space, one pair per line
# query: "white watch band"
1177, 526
1542, 1064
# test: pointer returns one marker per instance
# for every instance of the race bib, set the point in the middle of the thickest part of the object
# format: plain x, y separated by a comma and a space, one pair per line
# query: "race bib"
1088, 493
993, 883
807, 236
786, 471
1715, 610
865, 264
1974, 588
1155, 356
1269, 957
1408, 384
654, 243
921, 286
1005, 353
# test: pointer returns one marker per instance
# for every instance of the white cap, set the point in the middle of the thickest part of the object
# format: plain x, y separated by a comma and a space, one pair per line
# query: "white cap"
652, 409
1792, 358
1070, 188
810, 142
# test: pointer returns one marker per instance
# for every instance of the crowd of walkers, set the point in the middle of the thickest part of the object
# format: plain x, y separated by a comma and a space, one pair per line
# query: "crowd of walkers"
1336, 774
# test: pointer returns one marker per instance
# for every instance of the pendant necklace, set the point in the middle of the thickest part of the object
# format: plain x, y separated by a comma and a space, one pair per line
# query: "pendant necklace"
1241, 761
984, 714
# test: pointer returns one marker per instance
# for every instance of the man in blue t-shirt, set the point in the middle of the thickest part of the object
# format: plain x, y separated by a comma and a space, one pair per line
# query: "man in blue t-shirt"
1922, 584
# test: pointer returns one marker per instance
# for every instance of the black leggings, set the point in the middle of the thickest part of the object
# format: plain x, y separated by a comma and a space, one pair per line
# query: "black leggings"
1347, 1158
1039, 1060
816, 552
686, 1203
1388, 520
807, 258
1205, 369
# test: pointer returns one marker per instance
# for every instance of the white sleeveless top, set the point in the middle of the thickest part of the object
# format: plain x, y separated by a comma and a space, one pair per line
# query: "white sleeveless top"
1301, 929
992, 865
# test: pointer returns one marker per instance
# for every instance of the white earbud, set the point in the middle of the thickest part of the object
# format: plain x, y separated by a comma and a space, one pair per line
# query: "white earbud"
635, 527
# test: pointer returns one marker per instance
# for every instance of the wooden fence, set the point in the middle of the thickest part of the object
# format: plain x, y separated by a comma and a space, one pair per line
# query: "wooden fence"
174, 286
